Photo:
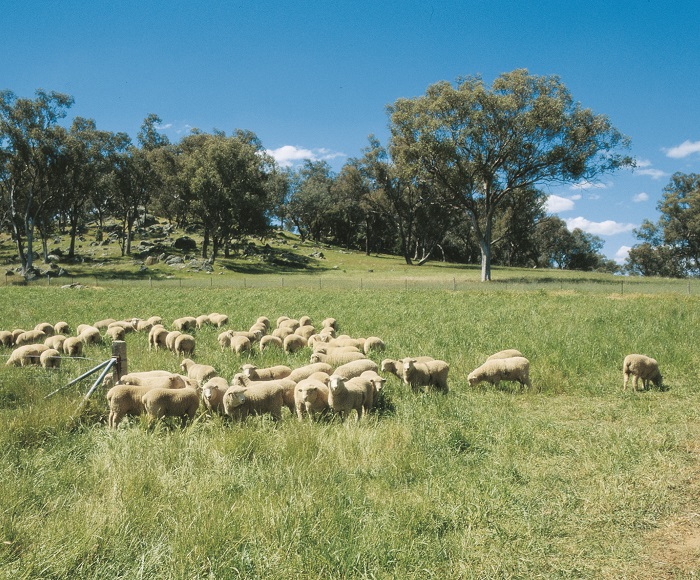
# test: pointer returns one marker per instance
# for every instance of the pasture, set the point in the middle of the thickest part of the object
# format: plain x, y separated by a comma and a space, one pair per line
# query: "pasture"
573, 479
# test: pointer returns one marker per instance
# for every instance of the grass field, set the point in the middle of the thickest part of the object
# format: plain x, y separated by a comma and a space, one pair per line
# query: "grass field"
575, 479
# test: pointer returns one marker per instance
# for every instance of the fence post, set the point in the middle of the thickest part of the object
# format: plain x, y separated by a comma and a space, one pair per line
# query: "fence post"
119, 353
48, 281
622, 287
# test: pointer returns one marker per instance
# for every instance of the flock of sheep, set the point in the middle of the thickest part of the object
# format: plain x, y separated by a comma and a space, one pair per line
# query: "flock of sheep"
340, 377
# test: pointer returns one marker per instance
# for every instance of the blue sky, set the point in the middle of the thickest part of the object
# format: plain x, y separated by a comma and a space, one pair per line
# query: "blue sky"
312, 79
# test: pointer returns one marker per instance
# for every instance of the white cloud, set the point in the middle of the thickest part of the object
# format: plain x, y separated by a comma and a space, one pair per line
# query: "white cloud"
556, 204
576, 197
621, 254
683, 150
604, 228
640, 197
643, 163
289, 155
585, 184
653, 173
162, 127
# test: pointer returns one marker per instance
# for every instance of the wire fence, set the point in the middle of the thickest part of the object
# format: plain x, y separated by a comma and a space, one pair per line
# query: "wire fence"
611, 285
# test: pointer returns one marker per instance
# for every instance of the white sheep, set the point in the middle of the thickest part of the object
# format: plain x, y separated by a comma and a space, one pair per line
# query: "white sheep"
310, 398
305, 321
640, 366
184, 345
269, 341
27, 354
287, 386
290, 323
262, 398
282, 333
46, 328
170, 339
161, 403
144, 326
6, 338
293, 343
155, 320
515, 368
185, 323
124, 400
90, 335
56, 341
266, 374
395, 367
330, 323
324, 348
16, 332
50, 359
73, 346
335, 359
347, 341
115, 332
101, 324
240, 344
199, 372
301, 373
153, 380
356, 367
213, 392
508, 353
376, 380
425, 374
367, 386
307, 331
373, 343
202, 321
157, 337
61, 327
218, 320
264, 320
343, 396
30, 337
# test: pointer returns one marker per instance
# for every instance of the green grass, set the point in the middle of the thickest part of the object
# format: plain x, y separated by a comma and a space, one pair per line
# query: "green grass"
568, 480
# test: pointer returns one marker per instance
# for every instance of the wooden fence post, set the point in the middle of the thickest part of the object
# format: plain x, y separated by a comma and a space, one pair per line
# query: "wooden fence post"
119, 353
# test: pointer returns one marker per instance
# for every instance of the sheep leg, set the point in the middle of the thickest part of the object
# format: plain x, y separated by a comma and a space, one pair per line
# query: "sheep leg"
626, 378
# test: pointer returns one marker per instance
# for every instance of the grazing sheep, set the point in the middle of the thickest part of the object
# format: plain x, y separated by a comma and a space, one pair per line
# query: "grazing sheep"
240, 344
268, 341
365, 384
144, 326
6, 338
46, 328
259, 399
425, 374
356, 368
259, 327
157, 336
326, 334
301, 373
101, 324
154, 379
73, 346
266, 374
344, 396
347, 341
287, 386
30, 337
324, 348
642, 367
337, 358
293, 343
50, 359
515, 368
127, 325
198, 372
252, 336
213, 392
508, 353
305, 321
218, 320
373, 343
291, 323
184, 345
330, 323
376, 380
90, 335
160, 403
115, 332
16, 332
124, 400
395, 367
26, 355
170, 339
263, 320
56, 341
306, 331
202, 320
61, 328
282, 333
310, 398
185, 323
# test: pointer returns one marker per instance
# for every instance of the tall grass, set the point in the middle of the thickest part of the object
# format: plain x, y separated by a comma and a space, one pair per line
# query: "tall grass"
567, 480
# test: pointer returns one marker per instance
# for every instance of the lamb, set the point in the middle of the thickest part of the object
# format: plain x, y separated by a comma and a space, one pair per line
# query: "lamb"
184, 345
430, 374
115, 332
73, 346
25, 355
50, 359
185, 323
508, 353
61, 327
344, 397
6, 338
266, 374
259, 399
157, 336
515, 368
90, 335
373, 343
30, 337
46, 328
335, 359
170, 339
268, 341
124, 400
198, 372
240, 344
642, 367
213, 394
310, 398
356, 368
293, 343
301, 373
161, 403
56, 341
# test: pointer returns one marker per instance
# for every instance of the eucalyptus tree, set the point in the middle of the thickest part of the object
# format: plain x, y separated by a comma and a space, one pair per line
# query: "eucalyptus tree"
31, 143
480, 144
310, 201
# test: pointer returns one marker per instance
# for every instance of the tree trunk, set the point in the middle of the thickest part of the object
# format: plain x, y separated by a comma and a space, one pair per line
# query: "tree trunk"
29, 226
485, 245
